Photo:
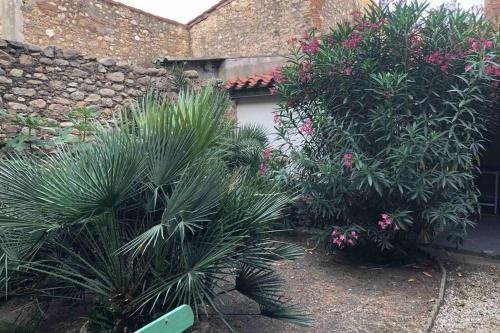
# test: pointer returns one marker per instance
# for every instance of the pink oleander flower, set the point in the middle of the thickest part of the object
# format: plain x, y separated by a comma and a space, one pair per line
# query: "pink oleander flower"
267, 154
338, 242
311, 47
354, 39
348, 160
314, 46
263, 169
396, 227
354, 234
307, 65
306, 127
351, 242
348, 71
493, 70
334, 232
479, 44
382, 225
342, 237
385, 222
304, 76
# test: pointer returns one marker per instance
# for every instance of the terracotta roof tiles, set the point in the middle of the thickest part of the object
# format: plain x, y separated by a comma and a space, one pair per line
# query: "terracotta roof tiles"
257, 81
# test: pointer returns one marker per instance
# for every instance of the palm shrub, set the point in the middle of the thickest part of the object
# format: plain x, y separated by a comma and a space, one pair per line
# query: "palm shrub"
158, 212
383, 121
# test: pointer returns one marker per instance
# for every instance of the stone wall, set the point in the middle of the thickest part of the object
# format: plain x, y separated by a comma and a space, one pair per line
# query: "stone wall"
263, 27
51, 83
492, 10
233, 28
334, 11
103, 28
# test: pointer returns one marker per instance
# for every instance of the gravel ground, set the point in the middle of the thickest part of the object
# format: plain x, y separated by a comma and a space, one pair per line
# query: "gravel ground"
472, 300
346, 298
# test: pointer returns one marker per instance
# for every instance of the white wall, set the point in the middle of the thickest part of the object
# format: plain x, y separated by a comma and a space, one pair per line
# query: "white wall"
258, 111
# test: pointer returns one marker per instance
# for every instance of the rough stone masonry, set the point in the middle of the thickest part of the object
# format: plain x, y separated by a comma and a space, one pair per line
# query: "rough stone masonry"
232, 28
51, 83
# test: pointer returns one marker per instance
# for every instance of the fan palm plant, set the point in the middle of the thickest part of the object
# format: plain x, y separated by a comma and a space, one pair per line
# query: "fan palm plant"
155, 213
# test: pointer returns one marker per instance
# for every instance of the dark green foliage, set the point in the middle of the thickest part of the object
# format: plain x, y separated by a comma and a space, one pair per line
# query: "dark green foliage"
161, 211
13, 328
384, 120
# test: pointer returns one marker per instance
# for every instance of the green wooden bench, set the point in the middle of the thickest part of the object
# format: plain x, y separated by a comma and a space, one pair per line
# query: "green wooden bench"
176, 321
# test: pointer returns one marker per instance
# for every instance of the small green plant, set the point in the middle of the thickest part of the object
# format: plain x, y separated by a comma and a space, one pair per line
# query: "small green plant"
84, 121
384, 119
27, 138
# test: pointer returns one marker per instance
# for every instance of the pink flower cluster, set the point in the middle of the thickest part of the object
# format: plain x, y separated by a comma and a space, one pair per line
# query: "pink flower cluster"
348, 71
387, 222
476, 44
306, 128
493, 70
263, 169
354, 39
348, 160
442, 58
339, 239
305, 71
310, 46
263, 166
267, 154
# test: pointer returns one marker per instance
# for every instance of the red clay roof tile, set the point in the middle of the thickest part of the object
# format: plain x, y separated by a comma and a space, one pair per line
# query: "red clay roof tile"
265, 80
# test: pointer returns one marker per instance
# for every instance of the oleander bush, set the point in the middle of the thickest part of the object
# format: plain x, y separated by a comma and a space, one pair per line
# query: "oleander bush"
383, 122
166, 209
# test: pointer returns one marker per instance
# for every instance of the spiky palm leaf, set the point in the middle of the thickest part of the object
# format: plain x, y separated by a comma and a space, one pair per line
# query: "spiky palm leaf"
151, 215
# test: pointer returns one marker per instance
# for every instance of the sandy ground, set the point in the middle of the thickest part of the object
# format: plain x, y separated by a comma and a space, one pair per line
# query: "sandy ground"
346, 298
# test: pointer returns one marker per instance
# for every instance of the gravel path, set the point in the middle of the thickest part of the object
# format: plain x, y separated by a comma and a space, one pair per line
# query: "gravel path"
472, 300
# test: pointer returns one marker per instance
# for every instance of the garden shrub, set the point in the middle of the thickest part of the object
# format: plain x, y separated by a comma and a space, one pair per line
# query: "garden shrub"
383, 121
161, 211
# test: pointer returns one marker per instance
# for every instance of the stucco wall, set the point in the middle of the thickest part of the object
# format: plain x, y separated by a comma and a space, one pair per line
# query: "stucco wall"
103, 28
258, 111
